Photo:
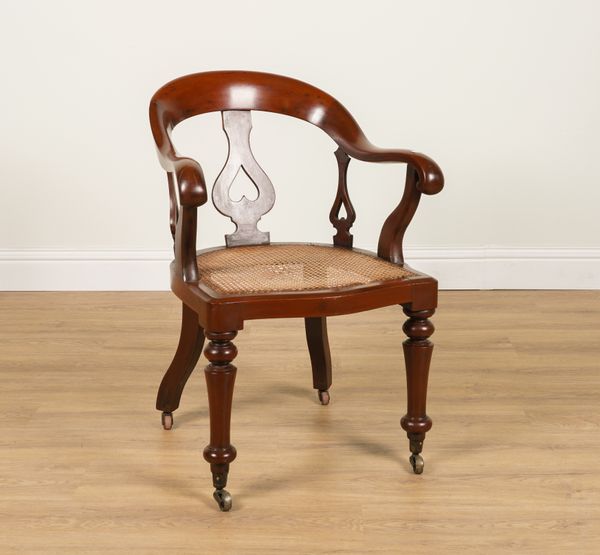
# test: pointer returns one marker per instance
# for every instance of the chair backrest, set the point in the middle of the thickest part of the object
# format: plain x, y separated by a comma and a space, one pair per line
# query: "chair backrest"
235, 94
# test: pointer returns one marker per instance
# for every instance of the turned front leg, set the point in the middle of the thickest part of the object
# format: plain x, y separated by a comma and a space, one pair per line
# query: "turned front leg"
220, 378
417, 355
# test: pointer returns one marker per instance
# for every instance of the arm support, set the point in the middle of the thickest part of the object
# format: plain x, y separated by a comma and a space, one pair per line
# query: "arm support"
186, 264
394, 227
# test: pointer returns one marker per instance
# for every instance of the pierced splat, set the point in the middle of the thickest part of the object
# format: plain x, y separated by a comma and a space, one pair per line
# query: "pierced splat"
341, 204
244, 213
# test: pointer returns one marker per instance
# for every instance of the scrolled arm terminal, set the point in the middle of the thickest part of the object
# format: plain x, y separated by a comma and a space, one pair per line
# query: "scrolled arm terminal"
190, 181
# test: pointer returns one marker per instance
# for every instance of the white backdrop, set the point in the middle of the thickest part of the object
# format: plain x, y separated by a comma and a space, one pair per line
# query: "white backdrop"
503, 95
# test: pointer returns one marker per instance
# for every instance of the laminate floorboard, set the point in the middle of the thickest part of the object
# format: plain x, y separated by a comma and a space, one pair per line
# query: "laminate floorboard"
511, 463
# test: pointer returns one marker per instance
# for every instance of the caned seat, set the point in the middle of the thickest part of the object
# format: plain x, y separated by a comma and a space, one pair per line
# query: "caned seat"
292, 267
251, 277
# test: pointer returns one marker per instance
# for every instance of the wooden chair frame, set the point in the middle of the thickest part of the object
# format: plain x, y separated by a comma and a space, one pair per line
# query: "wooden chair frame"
219, 317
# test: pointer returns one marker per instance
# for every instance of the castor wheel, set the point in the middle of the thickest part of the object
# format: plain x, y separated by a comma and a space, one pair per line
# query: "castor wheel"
324, 396
223, 498
167, 420
417, 463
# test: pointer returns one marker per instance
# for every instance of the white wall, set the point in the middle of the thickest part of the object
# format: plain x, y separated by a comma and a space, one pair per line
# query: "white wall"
504, 95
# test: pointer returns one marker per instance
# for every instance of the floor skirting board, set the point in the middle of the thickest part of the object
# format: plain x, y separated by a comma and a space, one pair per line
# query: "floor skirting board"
468, 268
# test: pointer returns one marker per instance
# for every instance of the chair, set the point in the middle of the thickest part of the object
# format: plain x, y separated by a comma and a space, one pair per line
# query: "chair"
251, 278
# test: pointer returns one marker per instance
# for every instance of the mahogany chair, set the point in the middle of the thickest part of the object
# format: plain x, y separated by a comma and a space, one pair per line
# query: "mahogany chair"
250, 277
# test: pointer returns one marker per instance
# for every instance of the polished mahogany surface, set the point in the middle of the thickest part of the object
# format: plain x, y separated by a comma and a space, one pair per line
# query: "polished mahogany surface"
219, 316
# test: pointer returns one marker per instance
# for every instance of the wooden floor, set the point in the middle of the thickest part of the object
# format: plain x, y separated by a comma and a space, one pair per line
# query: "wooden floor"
512, 464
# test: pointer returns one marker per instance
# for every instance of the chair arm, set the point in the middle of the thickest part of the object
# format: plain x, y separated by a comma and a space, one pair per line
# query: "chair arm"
192, 194
188, 173
423, 175
430, 177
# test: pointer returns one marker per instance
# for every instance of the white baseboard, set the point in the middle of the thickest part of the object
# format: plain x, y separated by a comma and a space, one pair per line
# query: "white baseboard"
509, 268
472, 268
84, 270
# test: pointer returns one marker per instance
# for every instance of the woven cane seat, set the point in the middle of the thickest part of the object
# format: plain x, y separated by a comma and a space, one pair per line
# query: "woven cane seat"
292, 267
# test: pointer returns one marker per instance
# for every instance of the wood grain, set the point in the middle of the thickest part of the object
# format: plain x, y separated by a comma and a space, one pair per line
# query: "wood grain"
511, 462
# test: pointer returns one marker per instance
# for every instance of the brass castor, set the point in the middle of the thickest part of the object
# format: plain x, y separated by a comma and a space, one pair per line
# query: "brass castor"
417, 463
324, 396
223, 498
167, 420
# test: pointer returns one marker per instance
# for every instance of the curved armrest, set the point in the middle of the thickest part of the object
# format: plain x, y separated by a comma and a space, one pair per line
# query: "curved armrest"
431, 178
188, 173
